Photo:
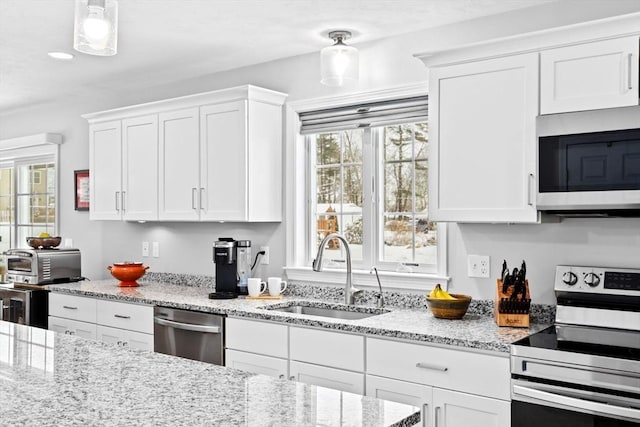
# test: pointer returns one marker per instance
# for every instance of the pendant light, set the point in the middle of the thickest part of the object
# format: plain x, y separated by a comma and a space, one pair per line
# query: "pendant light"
339, 63
95, 29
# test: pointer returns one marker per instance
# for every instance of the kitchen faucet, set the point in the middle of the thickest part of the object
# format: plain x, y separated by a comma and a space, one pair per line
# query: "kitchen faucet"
349, 291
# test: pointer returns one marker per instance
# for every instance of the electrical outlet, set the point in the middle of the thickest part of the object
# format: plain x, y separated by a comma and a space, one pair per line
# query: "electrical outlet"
155, 247
478, 266
265, 258
145, 248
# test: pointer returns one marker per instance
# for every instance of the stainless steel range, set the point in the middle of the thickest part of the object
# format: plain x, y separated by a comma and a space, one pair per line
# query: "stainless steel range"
585, 369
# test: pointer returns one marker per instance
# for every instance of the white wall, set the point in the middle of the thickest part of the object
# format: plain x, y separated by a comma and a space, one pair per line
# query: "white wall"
186, 248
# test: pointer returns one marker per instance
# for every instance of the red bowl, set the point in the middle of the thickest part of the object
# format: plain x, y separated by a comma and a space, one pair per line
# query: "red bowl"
127, 272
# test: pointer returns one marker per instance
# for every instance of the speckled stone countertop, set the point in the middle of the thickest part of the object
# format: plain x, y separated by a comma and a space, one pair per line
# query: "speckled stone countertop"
474, 331
47, 379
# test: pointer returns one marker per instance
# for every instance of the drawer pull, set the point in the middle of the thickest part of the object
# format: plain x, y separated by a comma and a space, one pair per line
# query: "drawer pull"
68, 307
431, 366
120, 316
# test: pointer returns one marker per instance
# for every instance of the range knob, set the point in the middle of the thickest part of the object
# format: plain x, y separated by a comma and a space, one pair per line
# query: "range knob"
592, 279
569, 278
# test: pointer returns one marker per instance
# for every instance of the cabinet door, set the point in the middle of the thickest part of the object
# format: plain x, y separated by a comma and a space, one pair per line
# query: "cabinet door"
124, 338
105, 162
140, 168
72, 327
179, 170
455, 409
223, 167
408, 393
482, 140
589, 76
256, 363
338, 379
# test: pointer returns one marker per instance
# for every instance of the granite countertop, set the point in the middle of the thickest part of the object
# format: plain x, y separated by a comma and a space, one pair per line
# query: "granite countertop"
473, 331
49, 379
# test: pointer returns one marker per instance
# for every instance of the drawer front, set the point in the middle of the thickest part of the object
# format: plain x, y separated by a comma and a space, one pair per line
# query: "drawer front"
344, 351
122, 315
338, 379
256, 363
452, 369
72, 327
124, 338
265, 338
72, 307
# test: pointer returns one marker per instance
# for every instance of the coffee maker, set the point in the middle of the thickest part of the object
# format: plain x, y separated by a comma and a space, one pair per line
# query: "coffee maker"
225, 256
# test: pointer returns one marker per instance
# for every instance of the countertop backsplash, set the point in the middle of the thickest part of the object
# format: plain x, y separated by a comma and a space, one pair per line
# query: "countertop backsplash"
540, 313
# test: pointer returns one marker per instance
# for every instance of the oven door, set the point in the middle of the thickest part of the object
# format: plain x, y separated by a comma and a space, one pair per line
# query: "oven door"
539, 404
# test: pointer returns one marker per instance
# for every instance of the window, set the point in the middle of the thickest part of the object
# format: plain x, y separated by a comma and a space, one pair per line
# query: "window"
27, 199
367, 181
28, 188
389, 228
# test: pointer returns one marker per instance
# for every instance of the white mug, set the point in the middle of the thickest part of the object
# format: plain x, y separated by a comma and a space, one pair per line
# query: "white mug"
276, 286
255, 286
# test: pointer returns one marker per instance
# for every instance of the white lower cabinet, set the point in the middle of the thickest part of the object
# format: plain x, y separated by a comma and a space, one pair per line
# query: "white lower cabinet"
121, 323
454, 388
125, 338
72, 327
323, 376
455, 409
257, 363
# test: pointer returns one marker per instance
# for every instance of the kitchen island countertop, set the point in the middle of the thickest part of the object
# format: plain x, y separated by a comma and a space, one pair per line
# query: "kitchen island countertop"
49, 379
473, 331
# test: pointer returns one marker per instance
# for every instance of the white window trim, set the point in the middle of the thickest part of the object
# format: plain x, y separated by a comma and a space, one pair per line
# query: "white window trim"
296, 225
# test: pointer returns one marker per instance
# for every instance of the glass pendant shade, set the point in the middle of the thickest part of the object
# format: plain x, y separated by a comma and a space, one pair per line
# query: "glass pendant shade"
339, 63
95, 28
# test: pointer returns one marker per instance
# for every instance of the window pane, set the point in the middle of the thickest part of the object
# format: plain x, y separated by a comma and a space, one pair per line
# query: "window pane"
398, 142
352, 146
328, 148
421, 140
353, 232
328, 185
421, 187
398, 187
398, 238
353, 186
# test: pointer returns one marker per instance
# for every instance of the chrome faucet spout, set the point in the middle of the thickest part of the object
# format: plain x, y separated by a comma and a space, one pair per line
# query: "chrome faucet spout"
349, 290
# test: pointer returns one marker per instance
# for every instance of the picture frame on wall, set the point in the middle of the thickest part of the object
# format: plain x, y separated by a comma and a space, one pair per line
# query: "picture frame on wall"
81, 179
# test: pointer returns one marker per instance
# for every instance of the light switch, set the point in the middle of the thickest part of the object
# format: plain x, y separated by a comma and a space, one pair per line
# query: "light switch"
155, 247
145, 248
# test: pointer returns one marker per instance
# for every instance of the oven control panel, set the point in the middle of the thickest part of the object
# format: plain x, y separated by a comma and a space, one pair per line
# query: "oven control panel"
597, 280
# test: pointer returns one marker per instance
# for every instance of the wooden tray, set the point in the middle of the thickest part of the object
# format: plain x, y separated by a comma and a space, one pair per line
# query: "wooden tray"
263, 296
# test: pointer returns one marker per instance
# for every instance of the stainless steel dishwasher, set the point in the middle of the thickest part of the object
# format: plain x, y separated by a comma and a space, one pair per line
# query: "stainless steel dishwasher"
190, 334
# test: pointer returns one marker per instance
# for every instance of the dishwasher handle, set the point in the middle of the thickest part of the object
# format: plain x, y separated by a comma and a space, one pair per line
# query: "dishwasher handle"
187, 326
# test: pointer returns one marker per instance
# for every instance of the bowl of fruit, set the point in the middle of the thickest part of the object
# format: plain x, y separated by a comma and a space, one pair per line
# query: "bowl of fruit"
44, 241
444, 305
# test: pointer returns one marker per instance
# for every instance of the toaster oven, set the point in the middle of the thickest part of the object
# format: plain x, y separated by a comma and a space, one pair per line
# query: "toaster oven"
43, 266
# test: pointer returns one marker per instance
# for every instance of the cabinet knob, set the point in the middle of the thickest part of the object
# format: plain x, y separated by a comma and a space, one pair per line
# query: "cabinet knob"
281, 376
292, 377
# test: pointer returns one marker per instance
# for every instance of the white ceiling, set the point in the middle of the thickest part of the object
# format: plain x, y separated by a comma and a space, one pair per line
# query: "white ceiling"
160, 41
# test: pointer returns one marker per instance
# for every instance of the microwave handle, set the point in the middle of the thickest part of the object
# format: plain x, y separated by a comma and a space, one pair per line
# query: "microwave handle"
530, 183
629, 71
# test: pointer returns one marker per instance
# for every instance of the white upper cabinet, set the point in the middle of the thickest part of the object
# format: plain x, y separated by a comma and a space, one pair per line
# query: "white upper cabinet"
223, 161
179, 166
105, 185
482, 157
589, 76
214, 156
140, 168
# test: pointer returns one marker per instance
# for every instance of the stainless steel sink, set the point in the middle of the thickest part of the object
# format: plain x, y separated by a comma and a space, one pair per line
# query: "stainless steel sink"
340, 312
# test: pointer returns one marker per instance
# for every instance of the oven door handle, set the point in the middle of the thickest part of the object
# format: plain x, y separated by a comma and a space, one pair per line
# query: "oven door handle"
582, 405
187, 326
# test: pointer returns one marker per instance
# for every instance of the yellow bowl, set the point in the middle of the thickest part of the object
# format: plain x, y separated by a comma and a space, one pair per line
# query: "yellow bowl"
449, 308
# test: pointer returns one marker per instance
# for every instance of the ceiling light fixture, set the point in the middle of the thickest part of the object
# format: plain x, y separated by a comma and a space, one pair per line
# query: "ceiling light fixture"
95, 29
339, 63
60, 55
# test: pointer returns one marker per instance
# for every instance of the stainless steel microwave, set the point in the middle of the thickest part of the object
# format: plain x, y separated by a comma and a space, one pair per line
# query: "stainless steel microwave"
590, 164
